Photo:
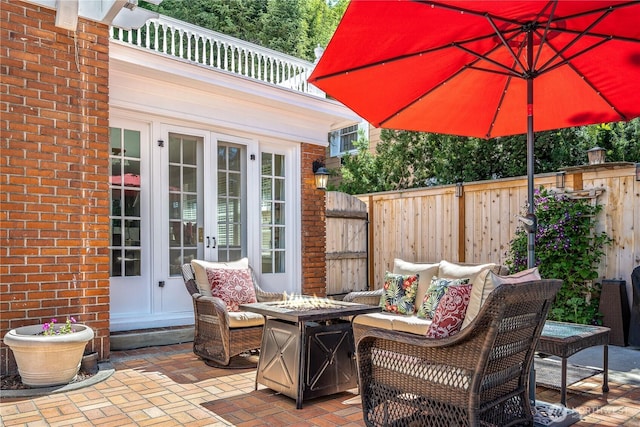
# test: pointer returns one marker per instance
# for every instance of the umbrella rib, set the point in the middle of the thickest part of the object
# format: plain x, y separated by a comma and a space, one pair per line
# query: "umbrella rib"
558, 53
545, 33
509, 71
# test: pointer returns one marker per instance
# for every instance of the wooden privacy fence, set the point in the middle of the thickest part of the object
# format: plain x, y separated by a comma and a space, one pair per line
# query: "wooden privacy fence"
431, 224
346, 257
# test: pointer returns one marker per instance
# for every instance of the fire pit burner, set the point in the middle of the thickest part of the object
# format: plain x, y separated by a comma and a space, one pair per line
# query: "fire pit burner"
307, 347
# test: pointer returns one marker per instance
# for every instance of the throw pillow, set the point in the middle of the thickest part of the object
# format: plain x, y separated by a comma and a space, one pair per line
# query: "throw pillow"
232, 286
458, 271
485, 283
200, 272
436, 291
450, 312
423, 270
399, 295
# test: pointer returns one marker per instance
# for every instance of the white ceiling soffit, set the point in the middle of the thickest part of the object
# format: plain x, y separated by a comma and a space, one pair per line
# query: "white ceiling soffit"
123, 14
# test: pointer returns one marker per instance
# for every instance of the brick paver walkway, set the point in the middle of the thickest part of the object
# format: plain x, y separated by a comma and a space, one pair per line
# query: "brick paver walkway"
170, 386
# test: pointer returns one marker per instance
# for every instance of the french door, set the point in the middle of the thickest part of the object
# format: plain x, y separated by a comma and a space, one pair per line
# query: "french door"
191, 193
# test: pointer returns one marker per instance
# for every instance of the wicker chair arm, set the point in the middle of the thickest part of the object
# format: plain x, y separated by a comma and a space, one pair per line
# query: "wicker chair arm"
364, 297
212, 308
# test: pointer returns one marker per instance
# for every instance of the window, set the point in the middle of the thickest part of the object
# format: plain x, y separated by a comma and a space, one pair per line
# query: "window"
272, 202
124, 184
183, 201
343, 140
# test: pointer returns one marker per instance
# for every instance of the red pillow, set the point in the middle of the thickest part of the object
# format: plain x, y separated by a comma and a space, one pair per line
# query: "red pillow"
234, 287
450, 312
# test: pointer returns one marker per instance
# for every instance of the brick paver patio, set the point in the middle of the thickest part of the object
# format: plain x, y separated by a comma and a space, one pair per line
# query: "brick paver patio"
170, 386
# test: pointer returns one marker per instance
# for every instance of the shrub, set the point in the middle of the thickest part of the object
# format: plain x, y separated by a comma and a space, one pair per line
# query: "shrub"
567, 247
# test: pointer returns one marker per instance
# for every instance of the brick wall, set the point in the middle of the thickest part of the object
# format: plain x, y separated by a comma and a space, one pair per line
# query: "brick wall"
313, 225
54, 229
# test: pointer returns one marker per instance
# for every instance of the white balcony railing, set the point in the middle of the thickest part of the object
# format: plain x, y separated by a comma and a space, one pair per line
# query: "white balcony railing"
191, 43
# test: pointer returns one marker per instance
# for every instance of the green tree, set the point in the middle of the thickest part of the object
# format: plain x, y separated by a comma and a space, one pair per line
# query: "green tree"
294, 27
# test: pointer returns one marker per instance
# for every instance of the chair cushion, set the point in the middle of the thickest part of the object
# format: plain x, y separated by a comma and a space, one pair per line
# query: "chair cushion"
394, 322
245, 319
424, 271
399, 295
450, 313
460, 271
200, 273
438, 288
232, 286
486, 282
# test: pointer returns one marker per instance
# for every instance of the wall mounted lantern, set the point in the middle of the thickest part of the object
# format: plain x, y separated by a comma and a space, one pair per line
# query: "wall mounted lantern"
321, 174
560, 177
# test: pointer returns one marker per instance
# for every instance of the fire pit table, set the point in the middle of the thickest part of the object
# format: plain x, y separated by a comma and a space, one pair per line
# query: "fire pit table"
307, 346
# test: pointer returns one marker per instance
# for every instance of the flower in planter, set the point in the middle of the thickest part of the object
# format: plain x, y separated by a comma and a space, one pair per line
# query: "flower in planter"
50, 329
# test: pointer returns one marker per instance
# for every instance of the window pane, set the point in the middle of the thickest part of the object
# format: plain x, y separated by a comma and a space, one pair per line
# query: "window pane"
131, 203
116, 170
267, 262
174, 178
132, 143
278, 213
278, 240
234, 184
174, 150
222, 157
132, 233
279, 165
115, 141
234, 159
267, 164
174, 206
190, 179
115, 267
132, 168
132, 262
279, 264
175, 236
266, 189
222, 183
278, 189
189, 152
266, 212
116, 202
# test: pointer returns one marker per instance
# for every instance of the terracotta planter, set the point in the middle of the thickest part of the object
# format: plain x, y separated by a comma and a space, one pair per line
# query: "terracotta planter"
47, 360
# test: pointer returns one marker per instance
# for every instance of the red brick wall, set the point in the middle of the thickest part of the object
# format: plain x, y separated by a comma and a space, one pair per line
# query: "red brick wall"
54, 221
313, 225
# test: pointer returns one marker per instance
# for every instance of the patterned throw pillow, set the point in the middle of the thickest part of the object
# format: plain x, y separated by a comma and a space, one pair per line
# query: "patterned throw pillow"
450, 313
232, 286
436, 291
399, 294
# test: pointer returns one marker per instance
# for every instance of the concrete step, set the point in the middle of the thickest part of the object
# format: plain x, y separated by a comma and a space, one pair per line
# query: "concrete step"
129, 340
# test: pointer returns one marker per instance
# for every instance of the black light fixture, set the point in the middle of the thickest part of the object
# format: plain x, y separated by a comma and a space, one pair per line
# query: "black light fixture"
321, 174
459, 189
560, 177
637, 171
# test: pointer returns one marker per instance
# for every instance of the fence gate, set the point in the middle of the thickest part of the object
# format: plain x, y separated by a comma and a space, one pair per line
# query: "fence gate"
346, 257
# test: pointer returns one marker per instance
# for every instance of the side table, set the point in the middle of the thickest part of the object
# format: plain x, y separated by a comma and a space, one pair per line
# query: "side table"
565, 339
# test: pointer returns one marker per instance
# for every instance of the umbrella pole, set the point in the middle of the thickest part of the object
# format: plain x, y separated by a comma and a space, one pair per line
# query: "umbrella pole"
531, 237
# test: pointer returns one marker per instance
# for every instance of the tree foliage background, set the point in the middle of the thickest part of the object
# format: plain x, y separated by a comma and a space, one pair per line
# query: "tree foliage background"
295, 27
405, 159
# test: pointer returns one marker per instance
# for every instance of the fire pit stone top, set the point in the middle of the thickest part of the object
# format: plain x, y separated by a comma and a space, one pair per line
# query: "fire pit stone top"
298, 308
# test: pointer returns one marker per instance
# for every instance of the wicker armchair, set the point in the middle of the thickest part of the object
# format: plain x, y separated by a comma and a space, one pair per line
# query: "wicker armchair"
477, 377
216, 340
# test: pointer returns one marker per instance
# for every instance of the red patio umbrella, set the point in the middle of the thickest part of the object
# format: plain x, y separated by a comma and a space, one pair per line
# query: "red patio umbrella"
486, 68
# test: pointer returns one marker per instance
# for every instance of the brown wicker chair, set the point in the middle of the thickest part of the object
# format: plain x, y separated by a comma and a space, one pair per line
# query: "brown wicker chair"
477, 377
214, 340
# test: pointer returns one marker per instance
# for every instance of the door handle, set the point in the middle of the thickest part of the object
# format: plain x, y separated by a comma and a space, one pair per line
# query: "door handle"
208, 242
214, 242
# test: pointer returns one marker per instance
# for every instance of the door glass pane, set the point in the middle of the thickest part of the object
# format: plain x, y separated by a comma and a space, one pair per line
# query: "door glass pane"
231, 217
183, 200
125, 214
273, 226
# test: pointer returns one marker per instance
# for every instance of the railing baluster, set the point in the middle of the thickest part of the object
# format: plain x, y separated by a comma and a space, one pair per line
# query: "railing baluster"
189, 42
